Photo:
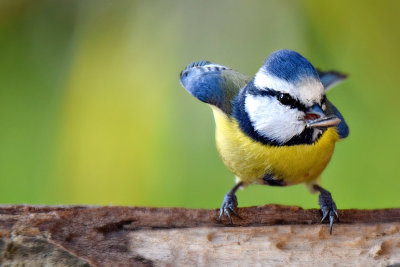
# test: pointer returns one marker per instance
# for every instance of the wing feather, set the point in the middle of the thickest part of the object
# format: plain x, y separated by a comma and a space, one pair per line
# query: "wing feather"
331, 78
212, 83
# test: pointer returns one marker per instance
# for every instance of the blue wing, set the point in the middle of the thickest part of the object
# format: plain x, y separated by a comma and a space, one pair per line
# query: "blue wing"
330, 79
213, 83
343, 129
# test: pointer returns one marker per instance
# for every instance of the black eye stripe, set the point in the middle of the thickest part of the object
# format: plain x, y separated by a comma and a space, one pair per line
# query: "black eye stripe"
283, 98
287, 100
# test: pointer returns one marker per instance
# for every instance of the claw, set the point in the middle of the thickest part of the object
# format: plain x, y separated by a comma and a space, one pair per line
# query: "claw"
227, 213
228, 207
221, 211
324, 215
331, 219
328, 207
234, 211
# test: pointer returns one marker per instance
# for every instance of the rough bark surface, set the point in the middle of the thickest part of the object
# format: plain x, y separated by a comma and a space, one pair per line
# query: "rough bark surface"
270, 235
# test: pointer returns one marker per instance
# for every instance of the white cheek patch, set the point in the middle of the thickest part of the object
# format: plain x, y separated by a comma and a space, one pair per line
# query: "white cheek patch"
273, 120
309, 90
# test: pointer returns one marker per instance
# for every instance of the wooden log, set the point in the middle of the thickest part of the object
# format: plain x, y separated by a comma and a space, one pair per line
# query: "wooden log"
269, 235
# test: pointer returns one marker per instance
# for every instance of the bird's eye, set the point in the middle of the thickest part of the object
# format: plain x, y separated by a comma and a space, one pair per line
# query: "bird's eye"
285, 99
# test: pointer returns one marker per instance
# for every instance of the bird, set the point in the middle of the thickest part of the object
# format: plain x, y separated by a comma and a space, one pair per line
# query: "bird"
277, 128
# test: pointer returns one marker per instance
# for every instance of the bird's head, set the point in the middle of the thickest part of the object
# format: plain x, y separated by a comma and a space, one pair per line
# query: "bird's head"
285, 101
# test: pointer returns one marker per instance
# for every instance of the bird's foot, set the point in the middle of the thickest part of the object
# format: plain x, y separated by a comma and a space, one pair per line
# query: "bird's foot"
328, 208
229, 207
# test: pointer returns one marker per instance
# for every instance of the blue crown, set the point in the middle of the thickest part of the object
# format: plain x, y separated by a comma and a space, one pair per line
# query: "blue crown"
290, 66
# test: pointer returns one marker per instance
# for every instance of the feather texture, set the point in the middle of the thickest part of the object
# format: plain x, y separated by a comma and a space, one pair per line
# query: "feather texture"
213, 84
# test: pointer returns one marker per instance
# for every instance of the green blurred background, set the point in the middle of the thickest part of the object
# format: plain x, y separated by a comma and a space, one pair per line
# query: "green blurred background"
92, 112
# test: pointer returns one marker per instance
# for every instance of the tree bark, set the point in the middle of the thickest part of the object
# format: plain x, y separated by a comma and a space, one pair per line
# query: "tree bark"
270, 235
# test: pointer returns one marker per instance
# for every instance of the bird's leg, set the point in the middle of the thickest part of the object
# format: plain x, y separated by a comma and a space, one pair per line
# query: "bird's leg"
230, 203
328, 206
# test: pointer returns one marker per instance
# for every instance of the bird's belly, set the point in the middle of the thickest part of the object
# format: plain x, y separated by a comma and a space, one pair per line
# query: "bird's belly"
250, 161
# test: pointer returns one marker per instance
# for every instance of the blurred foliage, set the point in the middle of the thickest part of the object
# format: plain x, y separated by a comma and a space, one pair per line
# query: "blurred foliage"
92, 112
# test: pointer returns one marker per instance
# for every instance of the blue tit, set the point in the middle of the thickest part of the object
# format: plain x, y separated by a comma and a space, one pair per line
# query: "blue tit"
277, 128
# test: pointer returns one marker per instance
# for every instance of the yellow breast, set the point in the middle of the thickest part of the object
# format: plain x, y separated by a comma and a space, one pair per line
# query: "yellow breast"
250, 160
